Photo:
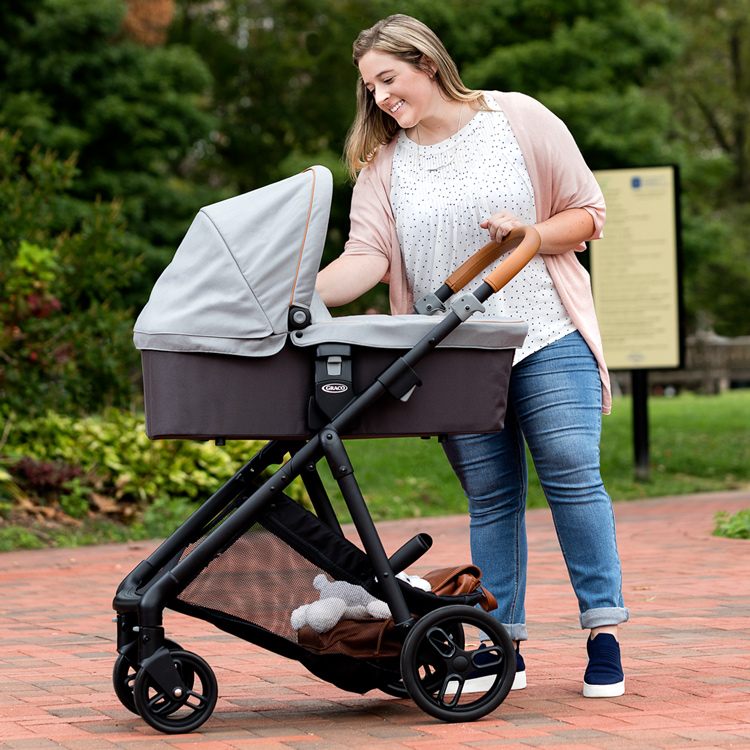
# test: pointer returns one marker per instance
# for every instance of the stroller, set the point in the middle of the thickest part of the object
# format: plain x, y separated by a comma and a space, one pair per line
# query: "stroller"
236, 345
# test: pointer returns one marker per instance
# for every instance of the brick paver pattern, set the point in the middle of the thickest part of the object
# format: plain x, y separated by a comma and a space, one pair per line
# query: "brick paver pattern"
686, 653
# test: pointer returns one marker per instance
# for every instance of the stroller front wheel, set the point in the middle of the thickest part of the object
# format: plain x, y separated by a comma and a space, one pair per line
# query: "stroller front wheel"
172, 715
458, 663
123, 677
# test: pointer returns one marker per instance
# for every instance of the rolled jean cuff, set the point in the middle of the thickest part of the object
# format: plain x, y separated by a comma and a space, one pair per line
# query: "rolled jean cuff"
517, 631
596, 618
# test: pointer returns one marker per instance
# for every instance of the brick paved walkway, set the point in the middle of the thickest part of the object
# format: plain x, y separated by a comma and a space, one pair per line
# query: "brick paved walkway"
686, 653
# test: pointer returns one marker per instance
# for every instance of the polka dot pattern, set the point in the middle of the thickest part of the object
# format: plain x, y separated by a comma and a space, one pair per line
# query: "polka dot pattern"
440, 194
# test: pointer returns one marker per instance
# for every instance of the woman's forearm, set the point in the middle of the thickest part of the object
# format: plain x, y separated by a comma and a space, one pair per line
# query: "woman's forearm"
349, 277
565, 231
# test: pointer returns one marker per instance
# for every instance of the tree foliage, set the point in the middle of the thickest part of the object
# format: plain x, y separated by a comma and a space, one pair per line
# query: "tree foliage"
284, 81
64, 330
240, 93
73, 82
708, 92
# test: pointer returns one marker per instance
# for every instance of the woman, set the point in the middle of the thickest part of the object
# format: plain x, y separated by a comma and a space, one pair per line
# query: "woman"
443, 170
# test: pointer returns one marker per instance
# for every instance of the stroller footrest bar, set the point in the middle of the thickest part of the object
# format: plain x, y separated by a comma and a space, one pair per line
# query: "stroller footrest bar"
410, 552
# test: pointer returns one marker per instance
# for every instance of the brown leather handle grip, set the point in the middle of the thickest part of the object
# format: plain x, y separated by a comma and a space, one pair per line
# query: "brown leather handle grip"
524, 241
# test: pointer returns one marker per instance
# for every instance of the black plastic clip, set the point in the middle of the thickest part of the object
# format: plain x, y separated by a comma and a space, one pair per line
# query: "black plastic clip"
333, 382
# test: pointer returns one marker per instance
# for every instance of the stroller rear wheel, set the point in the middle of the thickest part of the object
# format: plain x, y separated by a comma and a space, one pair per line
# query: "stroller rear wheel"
437, 664
172, 715
123, 677
431, 677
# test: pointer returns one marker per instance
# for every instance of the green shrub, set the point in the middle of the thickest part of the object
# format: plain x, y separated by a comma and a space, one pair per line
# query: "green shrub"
736, 526
17, 537
107, 465
65, 332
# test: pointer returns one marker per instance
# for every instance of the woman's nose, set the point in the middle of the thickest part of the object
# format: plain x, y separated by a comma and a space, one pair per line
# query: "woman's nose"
381, 95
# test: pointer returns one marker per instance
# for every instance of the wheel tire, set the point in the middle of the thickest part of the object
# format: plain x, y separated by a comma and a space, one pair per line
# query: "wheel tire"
177, 715
397, 689
435, 663
123, 677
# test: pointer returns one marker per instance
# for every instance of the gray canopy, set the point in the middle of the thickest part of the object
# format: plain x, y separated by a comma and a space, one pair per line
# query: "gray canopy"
242, 264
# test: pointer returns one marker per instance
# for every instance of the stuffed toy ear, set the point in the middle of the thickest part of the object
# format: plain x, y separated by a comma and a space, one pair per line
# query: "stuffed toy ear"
320, 582
351, 594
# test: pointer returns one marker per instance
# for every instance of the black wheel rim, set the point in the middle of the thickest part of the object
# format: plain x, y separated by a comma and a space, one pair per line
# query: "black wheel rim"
177, 715
123, 677
436, 664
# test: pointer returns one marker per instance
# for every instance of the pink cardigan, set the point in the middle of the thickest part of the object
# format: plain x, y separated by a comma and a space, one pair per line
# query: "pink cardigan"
561, 181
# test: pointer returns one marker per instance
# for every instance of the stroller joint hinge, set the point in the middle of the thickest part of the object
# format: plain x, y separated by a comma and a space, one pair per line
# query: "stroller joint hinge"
429, 305
341, 471
406, 626
466, 305
336, 455
299, 317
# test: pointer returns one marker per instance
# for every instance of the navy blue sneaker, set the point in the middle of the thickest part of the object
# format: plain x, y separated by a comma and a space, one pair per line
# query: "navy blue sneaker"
604, 677
519, 681
481, 680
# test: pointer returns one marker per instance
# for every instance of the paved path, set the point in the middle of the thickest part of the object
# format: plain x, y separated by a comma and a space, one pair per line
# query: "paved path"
686, 653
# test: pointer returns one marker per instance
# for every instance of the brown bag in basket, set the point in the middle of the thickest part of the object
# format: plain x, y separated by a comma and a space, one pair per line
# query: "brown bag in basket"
377, 639
463, 579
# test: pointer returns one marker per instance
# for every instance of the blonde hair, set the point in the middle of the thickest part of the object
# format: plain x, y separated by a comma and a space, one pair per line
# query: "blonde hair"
412, 42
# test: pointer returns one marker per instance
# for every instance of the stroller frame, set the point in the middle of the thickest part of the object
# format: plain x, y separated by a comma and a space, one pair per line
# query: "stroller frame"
155, 678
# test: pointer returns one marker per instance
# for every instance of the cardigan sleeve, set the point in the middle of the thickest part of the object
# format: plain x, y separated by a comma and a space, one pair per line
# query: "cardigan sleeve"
562, 177
372, 228
561, 180
369, 218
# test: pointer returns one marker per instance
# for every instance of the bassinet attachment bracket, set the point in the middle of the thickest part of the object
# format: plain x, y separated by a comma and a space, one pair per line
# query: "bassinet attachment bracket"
430, 304
466, 305
333, 383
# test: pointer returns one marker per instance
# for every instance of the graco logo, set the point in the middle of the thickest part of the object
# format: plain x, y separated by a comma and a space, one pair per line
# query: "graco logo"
335, 388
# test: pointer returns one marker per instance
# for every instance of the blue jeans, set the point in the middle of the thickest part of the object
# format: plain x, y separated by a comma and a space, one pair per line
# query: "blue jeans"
554, 405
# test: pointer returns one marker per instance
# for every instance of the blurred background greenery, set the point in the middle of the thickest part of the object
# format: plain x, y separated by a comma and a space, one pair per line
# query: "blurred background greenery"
119, 119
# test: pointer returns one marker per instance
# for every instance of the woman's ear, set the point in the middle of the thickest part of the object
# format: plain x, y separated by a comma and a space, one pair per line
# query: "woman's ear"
428, 66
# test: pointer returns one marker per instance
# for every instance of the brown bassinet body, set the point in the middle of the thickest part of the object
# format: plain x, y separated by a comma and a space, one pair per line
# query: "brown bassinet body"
220, 359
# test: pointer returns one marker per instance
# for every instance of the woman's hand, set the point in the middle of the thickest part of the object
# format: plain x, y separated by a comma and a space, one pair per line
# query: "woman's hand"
560, 233
349, 277
500, 224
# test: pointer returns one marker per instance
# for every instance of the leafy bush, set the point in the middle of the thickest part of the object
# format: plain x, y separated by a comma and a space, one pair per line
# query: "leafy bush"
65, 338
736, 526
106, 466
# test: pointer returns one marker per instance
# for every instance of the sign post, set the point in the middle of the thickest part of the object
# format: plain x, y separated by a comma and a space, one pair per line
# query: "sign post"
636, 281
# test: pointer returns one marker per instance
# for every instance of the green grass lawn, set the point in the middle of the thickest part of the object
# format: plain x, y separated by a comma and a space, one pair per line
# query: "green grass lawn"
697, 444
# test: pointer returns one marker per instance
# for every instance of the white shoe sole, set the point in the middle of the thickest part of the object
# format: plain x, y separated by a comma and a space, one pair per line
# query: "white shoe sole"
483, 684
603, 691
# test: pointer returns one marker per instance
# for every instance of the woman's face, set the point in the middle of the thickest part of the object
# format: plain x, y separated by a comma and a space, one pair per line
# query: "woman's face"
401, 90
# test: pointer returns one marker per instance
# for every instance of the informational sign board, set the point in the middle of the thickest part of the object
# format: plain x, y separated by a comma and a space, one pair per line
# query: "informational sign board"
635, 269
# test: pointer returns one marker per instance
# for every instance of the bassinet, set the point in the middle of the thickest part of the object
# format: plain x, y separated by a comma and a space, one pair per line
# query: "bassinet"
233, 328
